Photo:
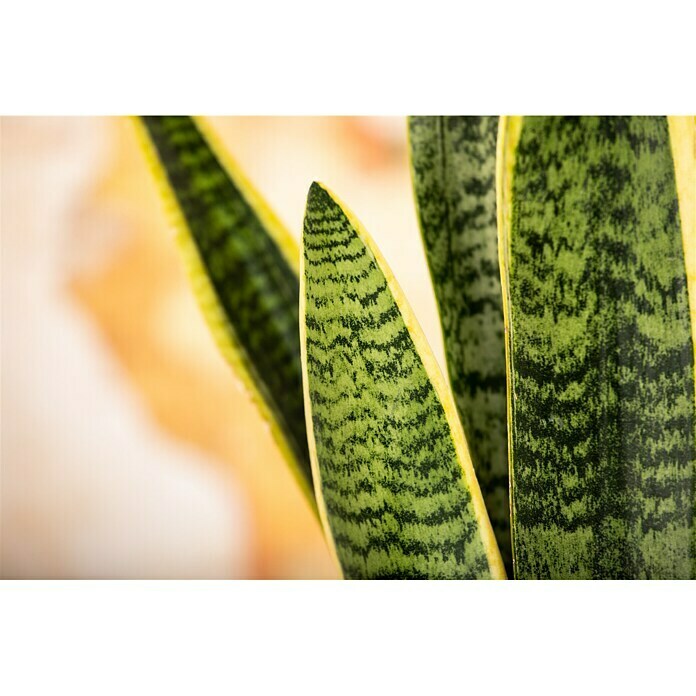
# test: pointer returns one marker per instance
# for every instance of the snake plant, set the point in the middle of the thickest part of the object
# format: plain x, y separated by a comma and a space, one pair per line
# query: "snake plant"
562, 253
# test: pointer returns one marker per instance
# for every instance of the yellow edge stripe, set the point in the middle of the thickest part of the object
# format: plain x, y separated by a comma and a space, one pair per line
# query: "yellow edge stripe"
682, 134
282, 237
495, 561
509, 130
213, 312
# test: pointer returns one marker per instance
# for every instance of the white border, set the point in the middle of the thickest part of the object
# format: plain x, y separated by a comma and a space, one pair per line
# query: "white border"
366, 56
346, 638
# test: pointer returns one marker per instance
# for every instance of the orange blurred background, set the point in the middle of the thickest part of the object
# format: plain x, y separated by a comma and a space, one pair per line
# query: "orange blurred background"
128, 448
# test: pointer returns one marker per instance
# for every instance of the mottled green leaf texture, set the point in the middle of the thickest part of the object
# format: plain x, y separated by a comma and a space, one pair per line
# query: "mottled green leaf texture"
244, 274
394, 480
453, 166
603, 426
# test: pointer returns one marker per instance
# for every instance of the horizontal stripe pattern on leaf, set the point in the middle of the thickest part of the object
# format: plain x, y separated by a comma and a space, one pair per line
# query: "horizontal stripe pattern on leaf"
600, 354
243, 266
393, 478
453, 168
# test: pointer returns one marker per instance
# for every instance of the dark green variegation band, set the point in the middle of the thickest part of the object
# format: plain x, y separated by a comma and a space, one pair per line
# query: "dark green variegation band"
243, 266
453, 169
393, 477
600, 351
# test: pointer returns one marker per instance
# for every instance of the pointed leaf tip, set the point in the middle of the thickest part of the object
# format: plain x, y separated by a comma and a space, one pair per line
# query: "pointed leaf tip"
393, 478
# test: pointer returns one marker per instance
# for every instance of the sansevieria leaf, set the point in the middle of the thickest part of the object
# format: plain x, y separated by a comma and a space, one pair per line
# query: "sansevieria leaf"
594, 224
243, 265
394, 481
453, 168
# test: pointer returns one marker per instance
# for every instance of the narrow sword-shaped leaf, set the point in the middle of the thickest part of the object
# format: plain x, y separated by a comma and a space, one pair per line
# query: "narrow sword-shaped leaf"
453, 170
243, 266
396, 489
599, 347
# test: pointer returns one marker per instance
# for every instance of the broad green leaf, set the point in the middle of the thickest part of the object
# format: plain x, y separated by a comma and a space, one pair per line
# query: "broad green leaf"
453, 169
243, 266
600, 350
393, 477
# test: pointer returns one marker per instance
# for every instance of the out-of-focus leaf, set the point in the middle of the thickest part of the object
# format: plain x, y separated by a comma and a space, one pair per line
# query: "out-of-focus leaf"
453, 169
243, 267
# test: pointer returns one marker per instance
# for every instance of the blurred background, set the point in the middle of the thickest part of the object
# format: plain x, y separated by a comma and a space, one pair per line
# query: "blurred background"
128, 448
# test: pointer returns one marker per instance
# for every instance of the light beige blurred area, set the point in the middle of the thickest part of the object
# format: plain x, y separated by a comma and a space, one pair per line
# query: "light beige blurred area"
128, 448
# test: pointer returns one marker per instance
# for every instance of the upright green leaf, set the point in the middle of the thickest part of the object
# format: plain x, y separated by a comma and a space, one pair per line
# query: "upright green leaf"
453, 168
601, 358
393, 478
243, 266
